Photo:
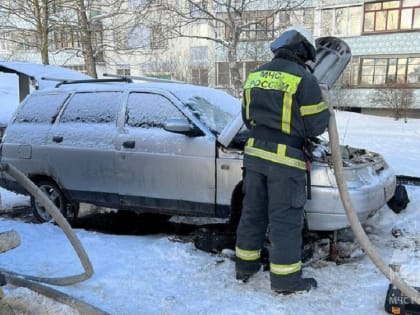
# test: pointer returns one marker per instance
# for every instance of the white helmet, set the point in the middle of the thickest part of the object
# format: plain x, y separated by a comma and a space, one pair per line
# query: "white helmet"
293, 37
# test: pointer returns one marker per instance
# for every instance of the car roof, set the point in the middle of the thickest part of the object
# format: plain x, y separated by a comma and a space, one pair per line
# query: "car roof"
183, 91
123, 86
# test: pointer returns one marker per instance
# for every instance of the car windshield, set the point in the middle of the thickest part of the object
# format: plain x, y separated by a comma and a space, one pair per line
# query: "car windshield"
214, 108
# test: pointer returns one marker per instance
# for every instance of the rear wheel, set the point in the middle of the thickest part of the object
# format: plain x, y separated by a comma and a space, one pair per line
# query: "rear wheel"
57, 197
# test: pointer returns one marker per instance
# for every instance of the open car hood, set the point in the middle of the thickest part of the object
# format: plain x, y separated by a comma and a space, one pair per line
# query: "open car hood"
231, 130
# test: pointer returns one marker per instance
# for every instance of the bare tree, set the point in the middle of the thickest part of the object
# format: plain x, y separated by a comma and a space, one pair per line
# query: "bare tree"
231, 24
86, 38
397, 97
28, 23
72, 28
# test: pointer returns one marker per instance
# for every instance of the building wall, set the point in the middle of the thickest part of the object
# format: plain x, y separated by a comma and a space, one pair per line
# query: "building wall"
381, 45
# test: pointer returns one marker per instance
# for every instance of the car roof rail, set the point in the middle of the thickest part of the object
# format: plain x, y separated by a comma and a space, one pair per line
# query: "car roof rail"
144, 78
66, 81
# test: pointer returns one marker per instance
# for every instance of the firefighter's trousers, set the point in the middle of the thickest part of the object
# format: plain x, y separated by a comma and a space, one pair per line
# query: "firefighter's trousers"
273, 203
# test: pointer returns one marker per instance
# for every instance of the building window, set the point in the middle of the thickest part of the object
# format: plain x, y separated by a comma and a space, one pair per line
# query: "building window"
139, 37
388, 16
158, 38
200, 76
255, 25
16, 5
381, 71
259, 25
97, 38
223, 74
6, 40
123, 70
251, 66
66, 37
349, 77
26, 40
223, 71
120, 39
341, 21
136, 4
198, 9
199, 56
286, 18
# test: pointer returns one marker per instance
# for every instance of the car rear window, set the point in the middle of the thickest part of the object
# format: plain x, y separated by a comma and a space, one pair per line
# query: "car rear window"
40, 108
92, 107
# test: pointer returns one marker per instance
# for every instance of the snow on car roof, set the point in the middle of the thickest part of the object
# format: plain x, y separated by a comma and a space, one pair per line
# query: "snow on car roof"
40, 71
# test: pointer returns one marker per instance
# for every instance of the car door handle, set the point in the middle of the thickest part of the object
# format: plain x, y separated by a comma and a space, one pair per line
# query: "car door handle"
58, 139
129, 144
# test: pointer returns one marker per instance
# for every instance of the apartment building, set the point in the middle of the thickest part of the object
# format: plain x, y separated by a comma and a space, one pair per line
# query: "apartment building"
384, 37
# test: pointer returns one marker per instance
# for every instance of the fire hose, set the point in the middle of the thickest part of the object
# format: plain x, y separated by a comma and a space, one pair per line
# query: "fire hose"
33, 282
333, 55
355, 224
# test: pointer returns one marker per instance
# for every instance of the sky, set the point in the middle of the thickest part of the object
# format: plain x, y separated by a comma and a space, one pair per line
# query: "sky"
157, 274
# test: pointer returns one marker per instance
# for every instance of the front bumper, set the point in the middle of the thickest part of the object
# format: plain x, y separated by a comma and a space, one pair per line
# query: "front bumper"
325, 211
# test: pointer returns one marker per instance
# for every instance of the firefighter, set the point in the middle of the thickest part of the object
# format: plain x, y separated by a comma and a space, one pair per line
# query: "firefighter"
283, 105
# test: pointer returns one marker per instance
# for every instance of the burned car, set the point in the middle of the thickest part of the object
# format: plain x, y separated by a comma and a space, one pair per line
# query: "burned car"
167, 148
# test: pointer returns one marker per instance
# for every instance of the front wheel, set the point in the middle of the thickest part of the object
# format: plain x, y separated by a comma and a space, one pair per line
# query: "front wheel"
57, 197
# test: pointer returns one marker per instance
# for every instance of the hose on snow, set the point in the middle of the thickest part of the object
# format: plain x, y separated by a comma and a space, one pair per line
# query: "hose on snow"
82, 307
62, 222
355, 224
32, 282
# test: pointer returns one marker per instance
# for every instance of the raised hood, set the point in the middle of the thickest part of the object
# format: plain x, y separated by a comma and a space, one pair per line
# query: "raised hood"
231, 130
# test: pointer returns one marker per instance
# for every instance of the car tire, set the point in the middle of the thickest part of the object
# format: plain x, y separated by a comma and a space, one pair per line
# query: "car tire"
57, 197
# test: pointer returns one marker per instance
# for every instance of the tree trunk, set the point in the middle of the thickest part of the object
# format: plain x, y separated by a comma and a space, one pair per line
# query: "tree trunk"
41, 16
235, 74
86, 39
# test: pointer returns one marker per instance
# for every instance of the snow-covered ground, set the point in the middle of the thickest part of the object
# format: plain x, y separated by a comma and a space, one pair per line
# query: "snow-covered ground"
154, 275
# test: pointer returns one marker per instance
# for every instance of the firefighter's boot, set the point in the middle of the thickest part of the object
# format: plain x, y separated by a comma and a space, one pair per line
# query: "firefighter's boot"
293, 283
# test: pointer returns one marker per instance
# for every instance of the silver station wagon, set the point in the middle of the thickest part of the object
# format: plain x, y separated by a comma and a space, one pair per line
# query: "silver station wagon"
167, 148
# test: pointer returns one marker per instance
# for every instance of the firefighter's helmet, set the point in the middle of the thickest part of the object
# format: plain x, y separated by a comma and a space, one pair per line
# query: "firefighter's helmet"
299, 40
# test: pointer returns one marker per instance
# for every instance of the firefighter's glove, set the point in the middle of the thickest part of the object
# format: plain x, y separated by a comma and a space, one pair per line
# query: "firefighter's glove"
327, 97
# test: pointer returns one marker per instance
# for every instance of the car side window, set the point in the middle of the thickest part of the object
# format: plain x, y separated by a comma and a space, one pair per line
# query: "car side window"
92, 107
40, 108
148, 110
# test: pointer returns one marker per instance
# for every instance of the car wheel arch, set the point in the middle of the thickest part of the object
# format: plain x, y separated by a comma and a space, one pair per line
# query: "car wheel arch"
66, 206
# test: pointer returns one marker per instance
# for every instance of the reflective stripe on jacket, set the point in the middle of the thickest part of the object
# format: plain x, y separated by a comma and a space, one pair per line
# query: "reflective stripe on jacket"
277, 156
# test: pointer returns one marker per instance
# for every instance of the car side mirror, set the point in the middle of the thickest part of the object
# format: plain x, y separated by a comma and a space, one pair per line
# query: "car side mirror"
182, 125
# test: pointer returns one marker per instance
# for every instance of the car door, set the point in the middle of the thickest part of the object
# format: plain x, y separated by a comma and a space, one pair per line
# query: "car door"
24, 144
158, 169
82, 147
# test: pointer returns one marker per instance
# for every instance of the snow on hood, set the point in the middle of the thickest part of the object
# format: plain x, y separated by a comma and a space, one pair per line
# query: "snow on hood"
39, 72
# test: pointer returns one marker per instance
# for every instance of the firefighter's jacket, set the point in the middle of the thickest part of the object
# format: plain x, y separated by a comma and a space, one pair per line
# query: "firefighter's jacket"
282, 106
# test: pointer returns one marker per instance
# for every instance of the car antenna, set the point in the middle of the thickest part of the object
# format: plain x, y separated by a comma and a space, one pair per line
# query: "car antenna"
144, 78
